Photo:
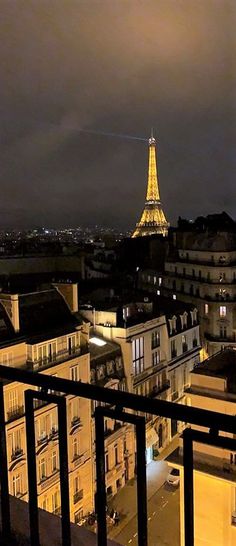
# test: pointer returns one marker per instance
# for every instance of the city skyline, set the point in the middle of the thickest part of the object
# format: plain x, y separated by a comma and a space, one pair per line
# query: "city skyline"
119, 69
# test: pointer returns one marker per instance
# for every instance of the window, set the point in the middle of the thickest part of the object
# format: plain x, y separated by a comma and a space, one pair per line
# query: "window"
55, 502
16, 449
155, 358
45, 504
72, 344
17, 485
75, 447
116, 455
54, 461
160, 281
138, 355
184, 343
79, 516
76, 484
74, 373
223, 332
52, 351
173, 349
155, 339
154, 280
206, 308
106, 462
12, 400
75, 410
174, 296
158, 292
6, 359
42, 469
42, 354
222, 310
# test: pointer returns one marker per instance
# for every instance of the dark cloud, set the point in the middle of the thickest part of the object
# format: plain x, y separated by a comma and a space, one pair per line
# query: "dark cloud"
118, 66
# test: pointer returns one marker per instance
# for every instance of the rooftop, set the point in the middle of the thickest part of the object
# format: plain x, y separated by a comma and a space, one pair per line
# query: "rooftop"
222, 365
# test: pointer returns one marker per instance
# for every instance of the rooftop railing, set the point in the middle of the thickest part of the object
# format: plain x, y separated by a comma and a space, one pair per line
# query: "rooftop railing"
120, 406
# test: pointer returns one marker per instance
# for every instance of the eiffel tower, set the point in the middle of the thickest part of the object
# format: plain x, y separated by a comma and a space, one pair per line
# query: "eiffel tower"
153, 220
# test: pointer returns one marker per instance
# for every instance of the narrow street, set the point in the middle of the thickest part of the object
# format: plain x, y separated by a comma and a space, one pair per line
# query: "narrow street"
163, 521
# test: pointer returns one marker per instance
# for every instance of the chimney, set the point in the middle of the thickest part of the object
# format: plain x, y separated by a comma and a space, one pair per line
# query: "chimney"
69, 292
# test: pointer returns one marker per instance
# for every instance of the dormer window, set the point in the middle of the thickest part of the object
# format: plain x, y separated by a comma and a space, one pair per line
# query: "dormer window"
100, 372
174, 318
110, 367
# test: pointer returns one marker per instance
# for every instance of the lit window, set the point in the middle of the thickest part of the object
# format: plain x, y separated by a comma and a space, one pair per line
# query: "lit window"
74, 373
159, 281
222, 310
158, 292
206, 308
154, 280
138, 355
97, 341
174, 296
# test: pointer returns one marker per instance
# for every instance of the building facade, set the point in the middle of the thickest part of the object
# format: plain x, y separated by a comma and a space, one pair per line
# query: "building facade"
52, 342
201, 268
212, 388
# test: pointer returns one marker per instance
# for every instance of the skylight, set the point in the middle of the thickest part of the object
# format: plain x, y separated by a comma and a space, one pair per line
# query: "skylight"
97, 341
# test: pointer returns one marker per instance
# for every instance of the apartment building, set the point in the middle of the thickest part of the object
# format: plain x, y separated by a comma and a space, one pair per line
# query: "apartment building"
107, 370
201, 268
159, 339
213, 387
38, 332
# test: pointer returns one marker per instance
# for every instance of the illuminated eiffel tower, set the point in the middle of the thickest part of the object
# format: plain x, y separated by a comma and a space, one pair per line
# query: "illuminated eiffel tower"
153, 220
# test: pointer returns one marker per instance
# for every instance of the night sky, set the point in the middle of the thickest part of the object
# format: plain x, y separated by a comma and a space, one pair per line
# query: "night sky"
121, 66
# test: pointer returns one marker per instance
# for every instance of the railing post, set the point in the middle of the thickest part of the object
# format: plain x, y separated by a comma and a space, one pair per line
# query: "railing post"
188, 487
101, 483
31, 467
64, 480
141, 481
5, 502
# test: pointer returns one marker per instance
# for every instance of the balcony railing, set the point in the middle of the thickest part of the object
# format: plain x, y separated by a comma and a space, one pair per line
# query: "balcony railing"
156, 391
15, 413
120, 406
78, 496
16, 453
56, 358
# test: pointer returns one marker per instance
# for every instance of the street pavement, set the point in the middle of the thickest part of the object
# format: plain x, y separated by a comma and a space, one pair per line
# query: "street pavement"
163, 507
163, 521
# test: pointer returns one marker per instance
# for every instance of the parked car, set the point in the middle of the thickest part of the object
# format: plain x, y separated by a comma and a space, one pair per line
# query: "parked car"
173, 477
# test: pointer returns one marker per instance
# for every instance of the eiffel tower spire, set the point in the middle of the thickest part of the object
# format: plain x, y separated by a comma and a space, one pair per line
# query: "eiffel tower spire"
153, 220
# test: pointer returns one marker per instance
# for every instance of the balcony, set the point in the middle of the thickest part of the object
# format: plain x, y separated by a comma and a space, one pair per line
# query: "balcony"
76, 421
157, 391
15, 413
122, 407
78, 496
60, 356
220, 339
175, 396
16, 453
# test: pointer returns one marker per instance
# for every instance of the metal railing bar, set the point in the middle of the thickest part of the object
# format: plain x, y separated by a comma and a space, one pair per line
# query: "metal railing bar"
5, 501
188, 488
139, 423
101, 479
60, 401
31, 469
132, 401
